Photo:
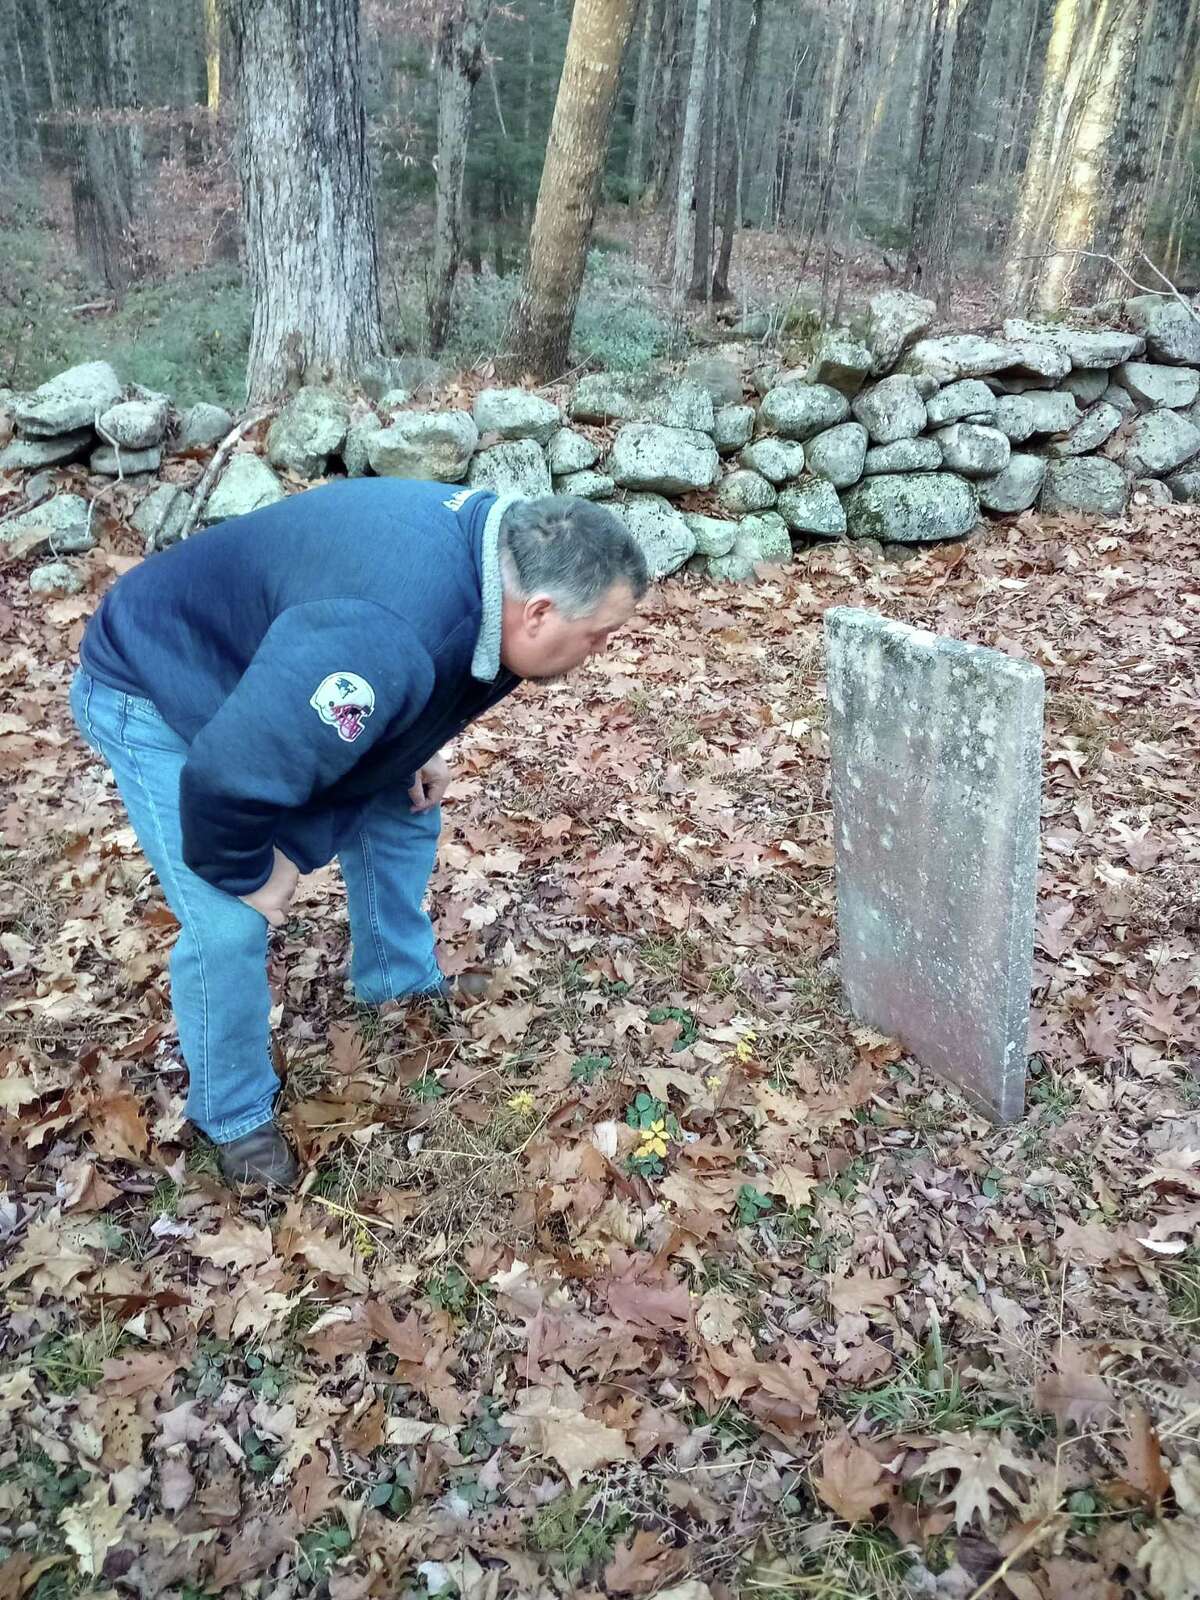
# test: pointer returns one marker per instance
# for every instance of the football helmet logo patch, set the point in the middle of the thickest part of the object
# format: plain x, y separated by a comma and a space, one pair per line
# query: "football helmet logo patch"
344, 701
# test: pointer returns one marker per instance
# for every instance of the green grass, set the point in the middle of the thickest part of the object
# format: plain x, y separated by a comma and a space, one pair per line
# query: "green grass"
1183, 1290
578, 1532
74, 1361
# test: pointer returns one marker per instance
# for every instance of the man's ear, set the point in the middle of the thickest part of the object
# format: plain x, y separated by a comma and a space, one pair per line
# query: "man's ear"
535, 612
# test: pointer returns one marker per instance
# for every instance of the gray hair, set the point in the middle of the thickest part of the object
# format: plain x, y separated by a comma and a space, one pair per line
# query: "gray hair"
570, 550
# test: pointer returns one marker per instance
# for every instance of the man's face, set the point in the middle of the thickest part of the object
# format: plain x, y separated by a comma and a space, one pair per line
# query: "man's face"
538, 642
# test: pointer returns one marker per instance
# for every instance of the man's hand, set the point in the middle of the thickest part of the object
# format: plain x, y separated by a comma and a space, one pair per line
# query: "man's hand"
275, 896
430, 785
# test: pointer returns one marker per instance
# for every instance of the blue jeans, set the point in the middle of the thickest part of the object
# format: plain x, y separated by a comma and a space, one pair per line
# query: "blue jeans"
219, 986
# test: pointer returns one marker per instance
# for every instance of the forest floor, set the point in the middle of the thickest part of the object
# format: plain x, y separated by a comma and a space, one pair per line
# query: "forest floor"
829, 1335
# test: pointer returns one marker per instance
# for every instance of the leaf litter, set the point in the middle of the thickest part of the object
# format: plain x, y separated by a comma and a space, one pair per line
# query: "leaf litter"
655, 1273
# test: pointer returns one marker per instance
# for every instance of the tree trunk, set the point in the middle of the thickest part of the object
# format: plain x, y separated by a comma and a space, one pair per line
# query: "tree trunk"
701, 283
459, 63
212, 55
927, 156
307, 203
636, 170
689, 150
731, 180
123, 89
539, 332
968, 48
666, 76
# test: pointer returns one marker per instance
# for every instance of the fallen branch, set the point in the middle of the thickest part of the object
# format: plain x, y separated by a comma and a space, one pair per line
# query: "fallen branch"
205, 487
1142, 288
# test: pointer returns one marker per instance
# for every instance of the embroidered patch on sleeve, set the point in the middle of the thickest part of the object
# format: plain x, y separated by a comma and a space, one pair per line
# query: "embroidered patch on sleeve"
344, 701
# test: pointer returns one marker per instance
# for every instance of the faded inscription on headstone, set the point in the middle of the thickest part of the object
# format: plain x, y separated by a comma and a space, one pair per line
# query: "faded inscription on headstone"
936, 751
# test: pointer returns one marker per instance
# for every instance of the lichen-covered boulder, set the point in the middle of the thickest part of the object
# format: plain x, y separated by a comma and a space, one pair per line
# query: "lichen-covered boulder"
137, 424
1151, 492
61, 523
661, 531
958, 355
202, 425
732, 428
745, 491
838, 454
841, 362
72, 400
714, 535
1017, 487
517, 466
55, 577
1158, 443
894, 319
247, 484
585, 485
162, 515
310, 428
906, 455
760, 540
663, 460
1185, 486
1087, 347
1020, 416
911, 508
969, 400
719, 376
813, 507
27, 455
517, 414
1171, 330
973, 449
641, 397
425, 444
1154, 386
891, 409
1040, 359
569, 451
355, 453
776, 459
1089, 485
1098, 423
1087, 385
799, 410
115, 463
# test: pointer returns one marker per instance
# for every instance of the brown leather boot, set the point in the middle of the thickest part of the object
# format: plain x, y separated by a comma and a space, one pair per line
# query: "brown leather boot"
262, 1156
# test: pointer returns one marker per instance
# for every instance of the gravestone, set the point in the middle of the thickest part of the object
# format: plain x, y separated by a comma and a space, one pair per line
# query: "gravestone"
936, 753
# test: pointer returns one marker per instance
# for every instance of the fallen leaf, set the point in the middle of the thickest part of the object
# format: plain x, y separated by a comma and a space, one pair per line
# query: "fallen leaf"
1171, 1558
862, 1292
851, 1479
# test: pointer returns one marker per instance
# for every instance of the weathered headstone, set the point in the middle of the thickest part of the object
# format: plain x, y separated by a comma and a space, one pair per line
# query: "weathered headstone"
936, 750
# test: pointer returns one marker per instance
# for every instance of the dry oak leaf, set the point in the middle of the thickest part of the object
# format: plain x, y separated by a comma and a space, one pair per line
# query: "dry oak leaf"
850, 1482
1145, 1476
1075, 1392
862, 1292
980, 1462
92, 1526
1171, 1557
577, 1442
640, 1567
139, 1372
1185, 1480
1079, 1580
236, 1244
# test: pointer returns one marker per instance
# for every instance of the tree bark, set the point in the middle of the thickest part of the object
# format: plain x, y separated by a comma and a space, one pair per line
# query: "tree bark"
700, 287
968, 49
459, 64
539, 332
636, 177
731, 181
689, 150
927, 155
212, 56
308, 207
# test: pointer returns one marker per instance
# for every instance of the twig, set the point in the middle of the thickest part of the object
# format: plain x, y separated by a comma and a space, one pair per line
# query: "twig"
108, 488
1099, 255
1026, 1544
205, 487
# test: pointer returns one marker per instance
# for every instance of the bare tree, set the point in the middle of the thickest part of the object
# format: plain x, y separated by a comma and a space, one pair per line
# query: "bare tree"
459, 57
540, 329
733, 170
925, 187
308, 208
689, 152
968, 48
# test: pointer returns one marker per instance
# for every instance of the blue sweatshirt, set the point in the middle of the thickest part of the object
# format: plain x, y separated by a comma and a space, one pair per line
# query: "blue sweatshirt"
311, 655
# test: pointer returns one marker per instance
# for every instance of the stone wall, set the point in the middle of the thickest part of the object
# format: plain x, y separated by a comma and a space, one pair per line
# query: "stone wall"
895, 436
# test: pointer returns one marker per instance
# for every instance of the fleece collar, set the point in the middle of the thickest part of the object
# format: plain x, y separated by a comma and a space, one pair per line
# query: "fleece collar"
485, 664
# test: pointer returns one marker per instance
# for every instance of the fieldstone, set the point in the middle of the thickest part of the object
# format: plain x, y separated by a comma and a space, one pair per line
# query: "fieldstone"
798, 410
394, 400
136, 424
760, 539
769, 375
1151, 492
1155, 387
776, 459
518, 466
906, 455
813, 507
61, 523
1041, 359
744, 491
247, 484
1090, 485
732, 428
633, 397
721, 378
202, 425
411, 373
838, 454
714, 537
40, 486
910, 508
24, 455
665, 539
1124, 402
162, 514
967, 401
1171, 330
125, 463
72, 400
569, 451
936, 773
1017, 487
1020, 416
1086, 347
1184, 486
585, 485
841, 362
517, 414
1087, 386
894, 319
754, 325
1158, 443
645, 455
891, 409
958, 355
356, 450
437, 445
1009, 383
1096, 425
310, 428
55, 577
973, 449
